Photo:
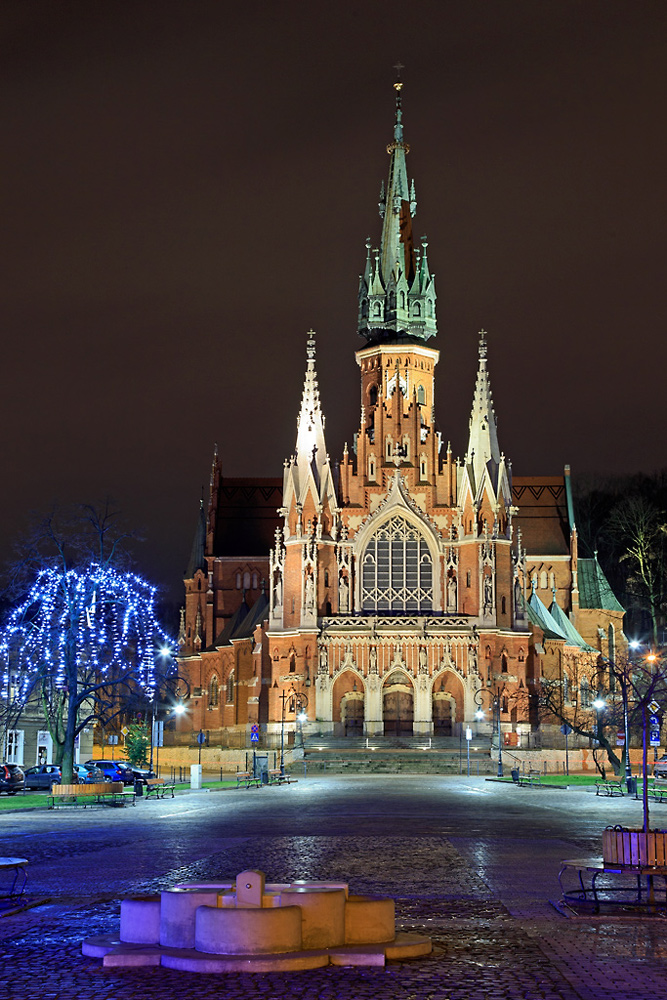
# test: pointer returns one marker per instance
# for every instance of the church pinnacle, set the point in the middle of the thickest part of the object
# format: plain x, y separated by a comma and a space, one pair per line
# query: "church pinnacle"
483, 451
397, 290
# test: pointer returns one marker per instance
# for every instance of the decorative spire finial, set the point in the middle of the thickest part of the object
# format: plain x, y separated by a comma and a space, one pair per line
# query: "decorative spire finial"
482, 344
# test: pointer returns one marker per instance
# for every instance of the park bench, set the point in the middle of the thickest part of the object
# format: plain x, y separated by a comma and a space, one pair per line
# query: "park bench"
657, 789
609, 786
248, 780
158, 787
533, 777
96, 793
276, 777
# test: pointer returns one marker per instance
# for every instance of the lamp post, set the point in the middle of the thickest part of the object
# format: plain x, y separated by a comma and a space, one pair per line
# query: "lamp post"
495, 718
298, 703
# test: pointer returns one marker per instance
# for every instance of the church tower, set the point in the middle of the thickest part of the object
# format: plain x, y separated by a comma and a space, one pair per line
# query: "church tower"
393, 586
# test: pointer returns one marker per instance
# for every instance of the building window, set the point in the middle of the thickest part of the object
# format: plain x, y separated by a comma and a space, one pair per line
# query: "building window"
585, 693
15, 746
213, 692
246, 580
421, 395
566, 688
503, 606
230, 689
468, 579
373, 395
326, 578
543, 580
371, 467
422, 467
255, 581
238, 581
503, 664
397, 569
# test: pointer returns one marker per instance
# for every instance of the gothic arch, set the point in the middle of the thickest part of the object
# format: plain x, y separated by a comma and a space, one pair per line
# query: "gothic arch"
395, 505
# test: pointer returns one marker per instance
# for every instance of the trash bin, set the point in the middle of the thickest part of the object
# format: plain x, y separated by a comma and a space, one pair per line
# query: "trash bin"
260, 767
138, 788
515, 774
631, 785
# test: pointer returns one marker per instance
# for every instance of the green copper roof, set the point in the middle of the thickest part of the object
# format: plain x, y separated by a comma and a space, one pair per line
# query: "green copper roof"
594, 588
538, 615
566, 626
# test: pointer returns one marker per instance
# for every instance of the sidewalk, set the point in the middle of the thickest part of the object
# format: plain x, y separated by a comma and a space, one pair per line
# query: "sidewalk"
483, 898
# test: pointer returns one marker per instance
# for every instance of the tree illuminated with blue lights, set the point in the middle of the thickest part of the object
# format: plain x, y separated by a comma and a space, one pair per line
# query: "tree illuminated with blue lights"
83, 640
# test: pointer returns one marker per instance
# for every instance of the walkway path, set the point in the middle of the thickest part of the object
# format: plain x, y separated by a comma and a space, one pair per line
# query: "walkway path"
472, 863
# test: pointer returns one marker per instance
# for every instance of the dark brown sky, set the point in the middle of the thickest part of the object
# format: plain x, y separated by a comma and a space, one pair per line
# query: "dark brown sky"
187, 187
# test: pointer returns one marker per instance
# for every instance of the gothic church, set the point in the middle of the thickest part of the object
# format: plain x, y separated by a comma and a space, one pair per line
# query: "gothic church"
400, 590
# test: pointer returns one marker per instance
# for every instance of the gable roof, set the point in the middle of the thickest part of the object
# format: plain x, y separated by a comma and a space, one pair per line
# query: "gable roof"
594, 588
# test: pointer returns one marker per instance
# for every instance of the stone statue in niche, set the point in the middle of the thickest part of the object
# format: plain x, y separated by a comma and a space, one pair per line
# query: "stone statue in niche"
373, 660
324, 660
310, 594
472, 658
451, 594
278, 591
488, 594
423, 660
343, 594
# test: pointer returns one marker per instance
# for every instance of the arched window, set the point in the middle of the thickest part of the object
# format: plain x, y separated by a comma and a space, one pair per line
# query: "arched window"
585, 693
246, 580
238, 581
468, 579
421, 395
503, 606
377, 309
255, 580
213, 692
422, 467
566, 688
371, 467
416, 309
402, 300
397, 569
230, 688
373, 395
543, 580
552, 580
503, 664
326, 578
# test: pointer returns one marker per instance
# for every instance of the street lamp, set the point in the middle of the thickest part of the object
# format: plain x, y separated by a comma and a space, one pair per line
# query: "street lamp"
479, 714
298, 703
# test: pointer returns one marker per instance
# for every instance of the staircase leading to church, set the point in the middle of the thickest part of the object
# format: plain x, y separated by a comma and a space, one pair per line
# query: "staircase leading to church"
395, 755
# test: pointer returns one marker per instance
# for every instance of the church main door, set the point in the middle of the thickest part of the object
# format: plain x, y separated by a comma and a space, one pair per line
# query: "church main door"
442, 716
353, 716
398, 712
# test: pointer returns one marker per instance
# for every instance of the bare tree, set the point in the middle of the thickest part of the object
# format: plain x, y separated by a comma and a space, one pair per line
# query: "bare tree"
641, 529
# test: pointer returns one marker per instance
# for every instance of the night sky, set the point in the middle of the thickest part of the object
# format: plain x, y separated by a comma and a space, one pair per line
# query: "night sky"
187, 188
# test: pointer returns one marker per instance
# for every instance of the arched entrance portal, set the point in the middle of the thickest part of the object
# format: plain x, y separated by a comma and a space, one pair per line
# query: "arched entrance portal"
398, 704
444, 709
348, 705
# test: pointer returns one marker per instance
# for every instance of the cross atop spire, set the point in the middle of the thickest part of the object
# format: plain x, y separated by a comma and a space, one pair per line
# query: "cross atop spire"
397, 297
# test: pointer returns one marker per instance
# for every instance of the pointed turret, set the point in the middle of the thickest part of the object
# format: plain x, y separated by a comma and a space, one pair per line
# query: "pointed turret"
197, 556
397, 295
309, 468
483, 454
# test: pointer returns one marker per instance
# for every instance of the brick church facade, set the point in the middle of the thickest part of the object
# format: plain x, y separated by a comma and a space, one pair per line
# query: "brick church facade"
400, 590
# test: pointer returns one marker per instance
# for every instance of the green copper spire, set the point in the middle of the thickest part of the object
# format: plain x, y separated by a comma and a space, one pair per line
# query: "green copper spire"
397, 291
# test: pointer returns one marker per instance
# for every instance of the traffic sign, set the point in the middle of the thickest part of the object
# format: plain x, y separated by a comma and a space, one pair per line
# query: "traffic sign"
468, 733
654, 739
201, 738
125, 730
620, 738
566, 729
654, 707
254, 736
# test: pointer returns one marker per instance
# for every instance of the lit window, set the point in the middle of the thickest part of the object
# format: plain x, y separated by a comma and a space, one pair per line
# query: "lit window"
213, 693
397, 569
230, 689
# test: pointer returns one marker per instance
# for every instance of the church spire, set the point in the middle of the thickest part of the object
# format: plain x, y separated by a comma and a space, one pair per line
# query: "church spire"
197, 556
483, 451
309, 467
397, 297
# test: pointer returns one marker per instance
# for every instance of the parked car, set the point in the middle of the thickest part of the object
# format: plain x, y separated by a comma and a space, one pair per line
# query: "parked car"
660, 767
42, 776
88, 773
11, 779
115, 770
141, 773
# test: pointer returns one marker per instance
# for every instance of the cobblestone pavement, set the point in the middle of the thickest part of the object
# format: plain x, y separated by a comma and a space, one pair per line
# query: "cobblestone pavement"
472, 864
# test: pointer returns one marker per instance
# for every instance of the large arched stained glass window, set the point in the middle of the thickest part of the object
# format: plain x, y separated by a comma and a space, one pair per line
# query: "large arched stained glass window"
397, 569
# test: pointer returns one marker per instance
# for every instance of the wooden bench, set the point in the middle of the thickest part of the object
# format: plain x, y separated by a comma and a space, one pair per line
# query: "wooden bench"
158, 787
609, 786
247, 779
97, 793
534, 777
276, 777
657, 789
599, 882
